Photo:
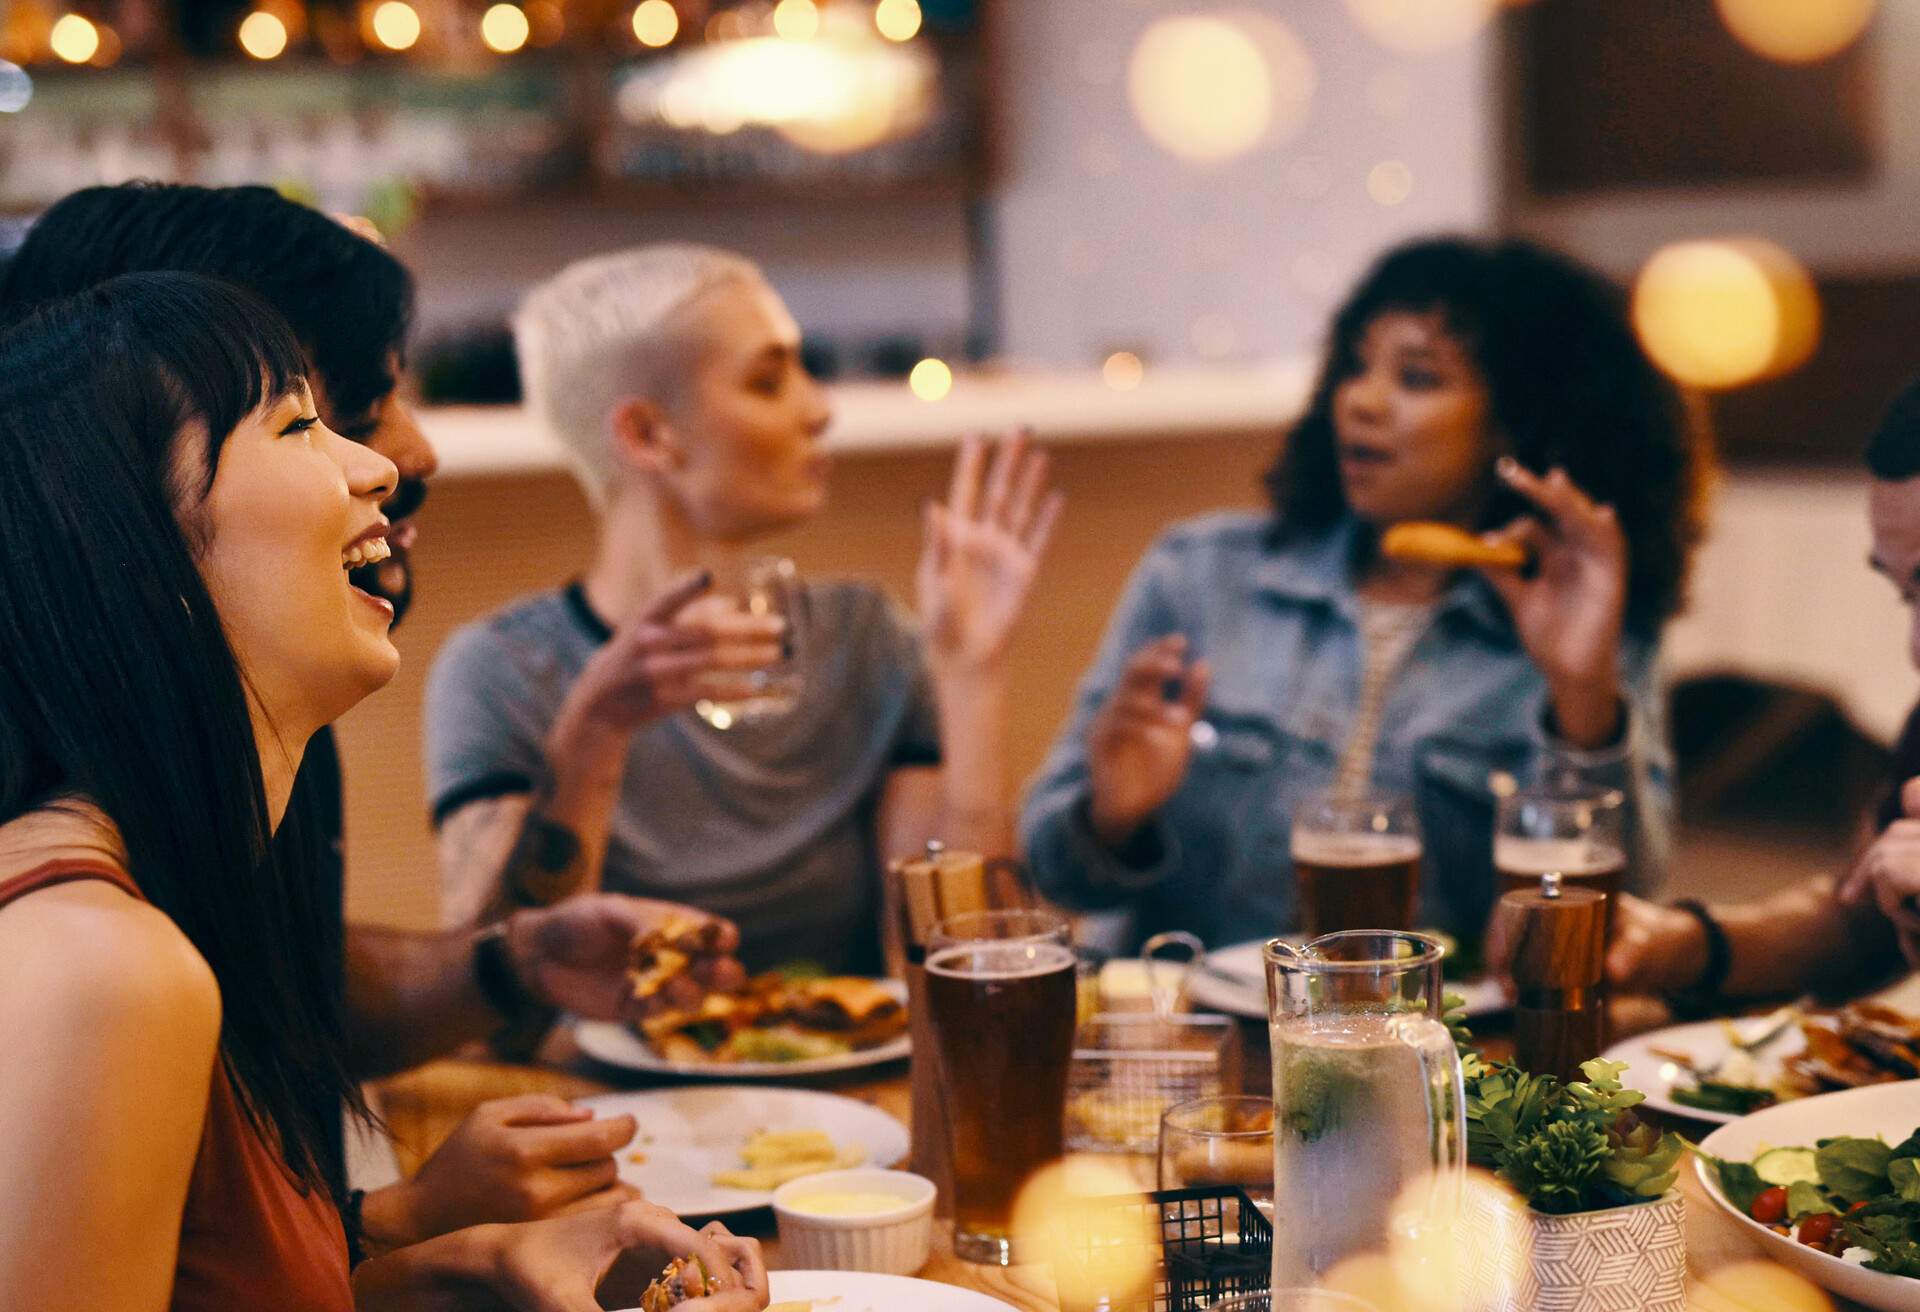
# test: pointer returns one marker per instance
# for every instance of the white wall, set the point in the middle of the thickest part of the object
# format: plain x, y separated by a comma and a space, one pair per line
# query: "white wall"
1111, 241
1837, 230
1105, 239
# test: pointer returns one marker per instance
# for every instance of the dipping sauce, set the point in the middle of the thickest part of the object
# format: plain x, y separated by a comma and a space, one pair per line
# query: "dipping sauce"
845, 1204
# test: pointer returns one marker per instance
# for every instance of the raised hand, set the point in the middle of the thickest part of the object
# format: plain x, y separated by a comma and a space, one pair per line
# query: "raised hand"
1887, 875
574, 955
1569, 608
1140, 742
665, 659
983, 548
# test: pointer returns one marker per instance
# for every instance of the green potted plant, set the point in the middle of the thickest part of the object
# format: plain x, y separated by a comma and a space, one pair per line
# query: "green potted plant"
1592, 1193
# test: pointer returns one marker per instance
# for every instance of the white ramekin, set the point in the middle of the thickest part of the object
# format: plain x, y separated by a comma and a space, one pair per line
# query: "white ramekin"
896, 1242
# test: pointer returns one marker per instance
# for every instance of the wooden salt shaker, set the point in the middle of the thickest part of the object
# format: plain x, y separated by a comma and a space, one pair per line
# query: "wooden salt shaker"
1558, 938
921, 892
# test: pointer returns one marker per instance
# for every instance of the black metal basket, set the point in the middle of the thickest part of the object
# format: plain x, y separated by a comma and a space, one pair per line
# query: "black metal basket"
1212, 1243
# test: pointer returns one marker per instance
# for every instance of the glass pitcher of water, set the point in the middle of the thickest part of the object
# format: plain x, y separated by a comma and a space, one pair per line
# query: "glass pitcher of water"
1369, 1117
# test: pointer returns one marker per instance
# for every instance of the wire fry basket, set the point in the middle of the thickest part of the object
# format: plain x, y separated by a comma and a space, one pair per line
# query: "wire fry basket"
1178, 1250
1129, 1068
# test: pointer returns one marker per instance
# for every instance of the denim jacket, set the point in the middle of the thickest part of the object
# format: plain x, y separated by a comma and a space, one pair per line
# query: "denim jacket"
1279, 625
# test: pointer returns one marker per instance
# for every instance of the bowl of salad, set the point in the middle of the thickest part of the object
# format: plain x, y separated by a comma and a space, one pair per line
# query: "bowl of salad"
1831, 1185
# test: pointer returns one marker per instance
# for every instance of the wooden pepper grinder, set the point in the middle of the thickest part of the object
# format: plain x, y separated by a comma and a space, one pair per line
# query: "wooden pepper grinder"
1558, 962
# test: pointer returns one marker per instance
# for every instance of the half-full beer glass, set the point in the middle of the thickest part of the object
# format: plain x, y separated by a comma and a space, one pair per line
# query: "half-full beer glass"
1356, 862
1369, 1116
1000, 986
1566, 828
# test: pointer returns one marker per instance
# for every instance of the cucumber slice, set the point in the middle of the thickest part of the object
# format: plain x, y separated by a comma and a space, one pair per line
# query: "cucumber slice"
1785, 1166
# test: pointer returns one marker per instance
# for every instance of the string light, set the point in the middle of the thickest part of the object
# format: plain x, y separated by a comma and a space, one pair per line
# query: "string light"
74, 39
656, 23
897, 20
263, 35
1796, 31
396, 25
1123, 371
505, 28
1389, 182
796, 20
931, 379
1721, 314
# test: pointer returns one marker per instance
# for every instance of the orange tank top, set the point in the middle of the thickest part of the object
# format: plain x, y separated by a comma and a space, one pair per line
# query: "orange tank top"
251, 1236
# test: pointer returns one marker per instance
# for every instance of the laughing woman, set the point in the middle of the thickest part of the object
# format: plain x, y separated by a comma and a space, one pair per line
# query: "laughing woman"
1496, 388
176, 622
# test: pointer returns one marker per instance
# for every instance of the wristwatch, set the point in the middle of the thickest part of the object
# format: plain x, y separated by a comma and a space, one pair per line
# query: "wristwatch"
527, 1018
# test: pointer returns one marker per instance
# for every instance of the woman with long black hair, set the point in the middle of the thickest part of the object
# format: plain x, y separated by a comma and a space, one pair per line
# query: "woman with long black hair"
176, 622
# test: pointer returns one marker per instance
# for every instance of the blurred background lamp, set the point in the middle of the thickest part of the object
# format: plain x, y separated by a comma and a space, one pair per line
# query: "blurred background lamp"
1422, 26
796, 20
1389, 182
1210, 88
16, 88
1722, 314
656, 23
1123, 371
74, 39
1796, 31
396, 25
505, 28
931, 379
897, 20
263, 35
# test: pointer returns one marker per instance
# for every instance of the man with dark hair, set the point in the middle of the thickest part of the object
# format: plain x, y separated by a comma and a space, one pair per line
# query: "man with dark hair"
1828, 934
404, 997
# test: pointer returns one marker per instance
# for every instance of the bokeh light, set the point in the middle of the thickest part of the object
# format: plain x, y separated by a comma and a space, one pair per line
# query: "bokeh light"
505, 28
263, 35
1796, 31
655, 23
396, 25
796, 20
74, 39
1722, 314
1755, 1286
1421, 26
931, 380
1212, 88
897, 20
16, 88
1123, 371
1052, 1214
1390, 182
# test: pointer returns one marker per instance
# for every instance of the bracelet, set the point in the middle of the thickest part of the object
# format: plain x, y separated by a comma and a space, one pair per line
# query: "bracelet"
528, 1018
1703, 997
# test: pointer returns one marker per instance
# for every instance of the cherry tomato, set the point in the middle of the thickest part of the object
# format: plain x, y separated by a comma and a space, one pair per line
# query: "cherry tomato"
1816, 1231
1856, 1207
1769, 1206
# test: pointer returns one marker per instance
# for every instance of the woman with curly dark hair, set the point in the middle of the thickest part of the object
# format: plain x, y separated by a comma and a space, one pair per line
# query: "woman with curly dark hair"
1257, 658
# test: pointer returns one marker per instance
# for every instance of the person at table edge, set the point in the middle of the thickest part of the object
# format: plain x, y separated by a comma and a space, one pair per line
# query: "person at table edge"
673, 375
1495, 387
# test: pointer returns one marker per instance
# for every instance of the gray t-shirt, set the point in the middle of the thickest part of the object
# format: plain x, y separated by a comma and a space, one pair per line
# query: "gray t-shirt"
769, 823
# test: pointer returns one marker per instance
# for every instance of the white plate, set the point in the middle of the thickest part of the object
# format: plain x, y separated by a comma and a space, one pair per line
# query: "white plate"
1235, 982
615, 1044
688, 1134
858, 1291
1706, 1042
1888, 1110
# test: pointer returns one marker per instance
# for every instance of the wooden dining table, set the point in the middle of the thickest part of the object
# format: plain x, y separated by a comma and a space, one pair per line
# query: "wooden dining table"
1728, 1268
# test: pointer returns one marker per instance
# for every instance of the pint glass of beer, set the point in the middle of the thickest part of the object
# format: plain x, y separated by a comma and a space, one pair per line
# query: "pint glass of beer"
1573, 830
1356, 862
1000, 986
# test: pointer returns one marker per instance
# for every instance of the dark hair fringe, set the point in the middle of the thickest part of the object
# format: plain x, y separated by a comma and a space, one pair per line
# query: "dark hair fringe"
117, 683
349, 301
1893, 452
1568, 383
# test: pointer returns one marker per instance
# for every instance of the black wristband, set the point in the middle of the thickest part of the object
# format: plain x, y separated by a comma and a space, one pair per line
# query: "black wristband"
528, 1019
1703, 997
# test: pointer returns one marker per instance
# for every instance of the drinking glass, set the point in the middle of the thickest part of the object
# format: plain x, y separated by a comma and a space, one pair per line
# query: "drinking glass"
1356, 862
767, 586
1369, 1114
1564, 827
1001, 992
1215, 1141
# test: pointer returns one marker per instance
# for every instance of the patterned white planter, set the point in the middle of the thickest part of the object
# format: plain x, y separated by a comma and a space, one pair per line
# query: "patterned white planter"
1619, 1259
